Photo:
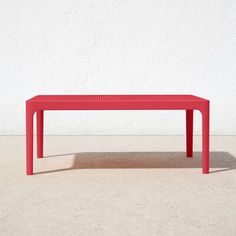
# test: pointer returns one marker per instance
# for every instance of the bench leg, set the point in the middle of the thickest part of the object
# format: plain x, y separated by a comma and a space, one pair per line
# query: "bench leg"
29, 141
189, 133
39, 134
205, 140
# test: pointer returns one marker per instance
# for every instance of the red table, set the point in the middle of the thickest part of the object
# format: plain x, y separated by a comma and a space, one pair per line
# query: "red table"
188, 103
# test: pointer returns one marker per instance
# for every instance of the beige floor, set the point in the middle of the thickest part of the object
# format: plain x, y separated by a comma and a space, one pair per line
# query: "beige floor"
123, 185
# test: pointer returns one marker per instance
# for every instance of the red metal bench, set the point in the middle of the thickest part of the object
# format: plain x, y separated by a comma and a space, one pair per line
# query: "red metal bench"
189, 103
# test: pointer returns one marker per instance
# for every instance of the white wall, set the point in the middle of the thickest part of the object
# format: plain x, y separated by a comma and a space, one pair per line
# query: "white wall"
117, 47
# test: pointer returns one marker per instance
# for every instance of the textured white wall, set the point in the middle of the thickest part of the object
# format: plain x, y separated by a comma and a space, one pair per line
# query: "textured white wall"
117, 46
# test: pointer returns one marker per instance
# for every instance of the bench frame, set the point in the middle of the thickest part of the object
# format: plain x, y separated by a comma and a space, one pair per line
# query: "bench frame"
36, 106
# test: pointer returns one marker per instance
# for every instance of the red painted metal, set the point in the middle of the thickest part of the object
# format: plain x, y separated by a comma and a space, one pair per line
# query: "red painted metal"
40, 134
189, 103
189, 133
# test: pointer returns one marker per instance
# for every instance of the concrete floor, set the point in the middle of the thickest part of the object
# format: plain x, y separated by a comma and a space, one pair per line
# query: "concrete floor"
118, 185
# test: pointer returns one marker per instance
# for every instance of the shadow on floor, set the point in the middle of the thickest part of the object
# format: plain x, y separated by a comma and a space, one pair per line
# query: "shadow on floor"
135, 160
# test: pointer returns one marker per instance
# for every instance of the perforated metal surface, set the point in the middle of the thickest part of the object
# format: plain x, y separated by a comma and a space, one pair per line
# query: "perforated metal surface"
115, 98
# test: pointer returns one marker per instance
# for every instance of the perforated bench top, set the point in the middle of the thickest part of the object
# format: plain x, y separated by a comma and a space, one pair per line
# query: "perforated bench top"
115, 98
115, 102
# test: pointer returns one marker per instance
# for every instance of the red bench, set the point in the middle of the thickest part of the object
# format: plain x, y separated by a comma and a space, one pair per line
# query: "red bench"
189, 103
